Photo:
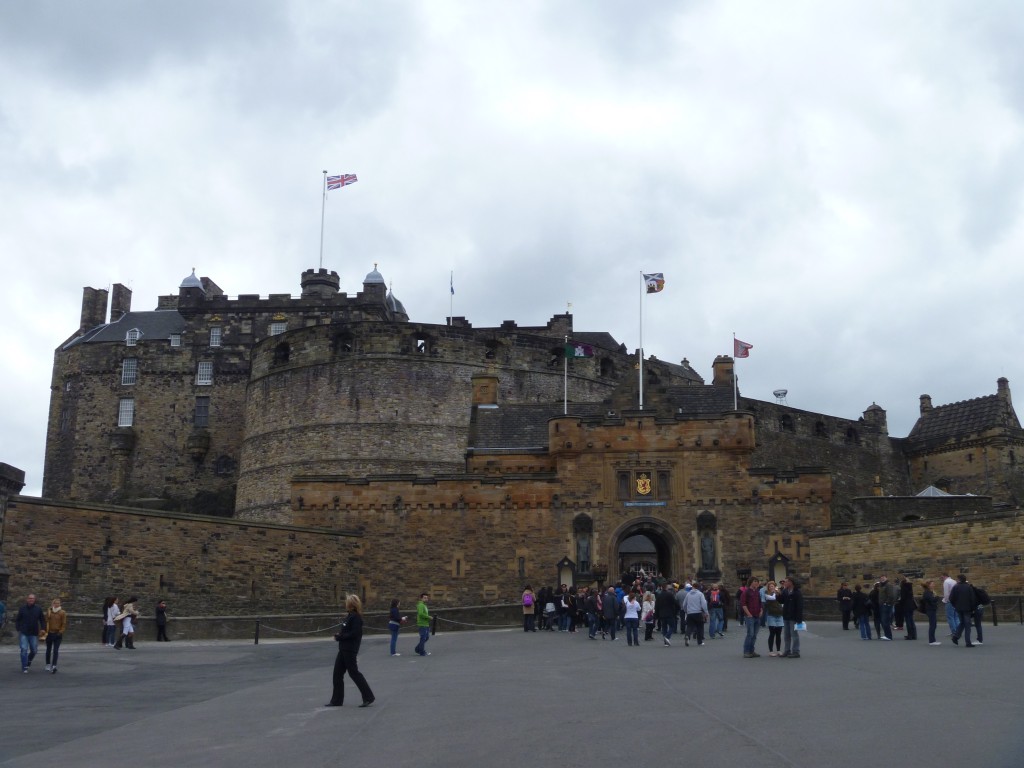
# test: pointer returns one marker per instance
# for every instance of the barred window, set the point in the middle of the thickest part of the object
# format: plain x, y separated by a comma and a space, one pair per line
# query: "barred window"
126, 412
215, 336
204, 373
129, 370
276, 329
202, 412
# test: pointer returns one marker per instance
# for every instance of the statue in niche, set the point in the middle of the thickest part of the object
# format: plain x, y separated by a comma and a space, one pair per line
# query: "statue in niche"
707, 551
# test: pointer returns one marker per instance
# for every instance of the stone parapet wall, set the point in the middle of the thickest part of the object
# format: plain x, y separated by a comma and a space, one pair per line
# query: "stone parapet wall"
989, 548
83, 553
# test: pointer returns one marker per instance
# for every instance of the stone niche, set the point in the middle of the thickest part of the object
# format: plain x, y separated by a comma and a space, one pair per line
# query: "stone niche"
708, 568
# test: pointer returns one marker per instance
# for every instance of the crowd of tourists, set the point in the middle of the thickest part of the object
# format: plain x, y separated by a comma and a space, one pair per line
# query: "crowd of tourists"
700, 612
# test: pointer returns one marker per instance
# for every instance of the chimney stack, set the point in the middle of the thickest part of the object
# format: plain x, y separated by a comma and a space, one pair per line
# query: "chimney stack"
94, 308
120, 302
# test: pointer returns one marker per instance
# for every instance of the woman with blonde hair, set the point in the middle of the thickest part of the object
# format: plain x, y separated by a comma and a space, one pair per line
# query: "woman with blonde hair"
56, 624
349, 638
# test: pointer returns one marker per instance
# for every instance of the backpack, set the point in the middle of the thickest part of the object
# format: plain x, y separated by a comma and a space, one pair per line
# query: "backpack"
527, 599
982, 596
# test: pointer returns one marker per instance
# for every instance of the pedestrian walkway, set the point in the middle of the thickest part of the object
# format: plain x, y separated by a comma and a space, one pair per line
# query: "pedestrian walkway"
505, 698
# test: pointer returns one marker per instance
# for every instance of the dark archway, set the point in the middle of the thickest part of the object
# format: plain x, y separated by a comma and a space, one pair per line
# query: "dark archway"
647, 541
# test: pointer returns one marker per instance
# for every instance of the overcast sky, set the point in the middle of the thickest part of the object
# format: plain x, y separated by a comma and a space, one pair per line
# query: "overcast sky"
840, 184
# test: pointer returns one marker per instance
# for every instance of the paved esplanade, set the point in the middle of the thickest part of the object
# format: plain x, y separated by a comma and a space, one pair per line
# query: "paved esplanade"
502, 698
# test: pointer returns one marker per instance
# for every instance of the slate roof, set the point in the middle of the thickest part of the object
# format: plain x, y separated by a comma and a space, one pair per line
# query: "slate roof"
707, 400
968, 417
522, 426
157, 324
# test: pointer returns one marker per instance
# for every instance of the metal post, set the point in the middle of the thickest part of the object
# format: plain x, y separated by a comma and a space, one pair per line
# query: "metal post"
256, 641
433, 628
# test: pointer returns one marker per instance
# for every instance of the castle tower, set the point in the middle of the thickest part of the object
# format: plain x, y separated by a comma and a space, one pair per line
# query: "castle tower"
320, 283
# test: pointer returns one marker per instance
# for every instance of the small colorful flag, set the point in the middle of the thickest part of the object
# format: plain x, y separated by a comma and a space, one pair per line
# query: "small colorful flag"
343, 180
655, 282
575, 349
741, 348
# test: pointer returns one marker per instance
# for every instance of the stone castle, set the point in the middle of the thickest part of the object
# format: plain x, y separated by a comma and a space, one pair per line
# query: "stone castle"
380, 455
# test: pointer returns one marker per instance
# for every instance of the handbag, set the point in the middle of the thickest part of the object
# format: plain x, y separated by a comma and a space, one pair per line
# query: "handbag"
800, 626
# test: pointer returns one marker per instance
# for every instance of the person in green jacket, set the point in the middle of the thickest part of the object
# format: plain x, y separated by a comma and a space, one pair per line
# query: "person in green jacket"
423, 625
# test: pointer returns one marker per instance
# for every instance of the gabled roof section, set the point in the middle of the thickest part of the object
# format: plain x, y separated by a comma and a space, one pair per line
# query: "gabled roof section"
963, 419
156, 325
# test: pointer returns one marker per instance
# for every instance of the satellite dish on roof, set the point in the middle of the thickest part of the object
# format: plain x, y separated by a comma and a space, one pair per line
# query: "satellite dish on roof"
780, 395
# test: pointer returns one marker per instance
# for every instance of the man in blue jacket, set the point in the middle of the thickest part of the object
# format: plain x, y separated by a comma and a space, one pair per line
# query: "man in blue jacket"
30, 623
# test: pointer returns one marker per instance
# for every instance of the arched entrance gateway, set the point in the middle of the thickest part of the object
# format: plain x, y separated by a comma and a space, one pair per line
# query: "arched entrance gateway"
645, 542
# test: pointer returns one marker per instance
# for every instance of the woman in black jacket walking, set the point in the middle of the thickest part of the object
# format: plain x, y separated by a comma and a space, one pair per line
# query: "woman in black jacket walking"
349, 638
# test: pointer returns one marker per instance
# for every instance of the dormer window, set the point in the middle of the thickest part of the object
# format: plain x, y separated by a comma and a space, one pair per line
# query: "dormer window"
215, 336
175, 339
132, 337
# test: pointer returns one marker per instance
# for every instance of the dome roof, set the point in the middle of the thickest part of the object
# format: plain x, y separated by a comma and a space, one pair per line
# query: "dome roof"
192, 281
394, 304
374, 278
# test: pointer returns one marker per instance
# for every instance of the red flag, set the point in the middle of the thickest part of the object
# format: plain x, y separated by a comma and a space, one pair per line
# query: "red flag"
741, 348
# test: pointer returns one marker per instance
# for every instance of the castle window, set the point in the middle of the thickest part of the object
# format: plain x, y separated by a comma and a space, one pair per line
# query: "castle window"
65, 419
175, 339
607, 368
970, 457
204, 373
422, 345
664, 486
132, 337
344, 344
786, 423
67, 388
522, 567
820, 430
215, 336
276, 329
281, 353
201, 415
852, 437
622, 485
129, 371
126, 412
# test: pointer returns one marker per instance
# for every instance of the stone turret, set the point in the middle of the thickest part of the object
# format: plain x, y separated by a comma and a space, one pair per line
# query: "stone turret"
320, 283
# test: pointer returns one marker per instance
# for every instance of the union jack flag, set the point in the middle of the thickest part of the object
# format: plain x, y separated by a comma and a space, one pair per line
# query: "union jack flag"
337, 182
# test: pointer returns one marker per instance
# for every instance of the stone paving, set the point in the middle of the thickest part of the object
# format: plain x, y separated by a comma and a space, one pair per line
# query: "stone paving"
504, 698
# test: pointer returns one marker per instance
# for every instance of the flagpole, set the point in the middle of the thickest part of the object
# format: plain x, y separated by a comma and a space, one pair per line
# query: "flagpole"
451, 296
735, 403
565, 378
323, 205
643, 288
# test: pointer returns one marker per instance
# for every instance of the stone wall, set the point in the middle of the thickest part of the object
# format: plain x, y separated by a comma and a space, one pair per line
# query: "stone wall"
988, 547
883, 510
200, 565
